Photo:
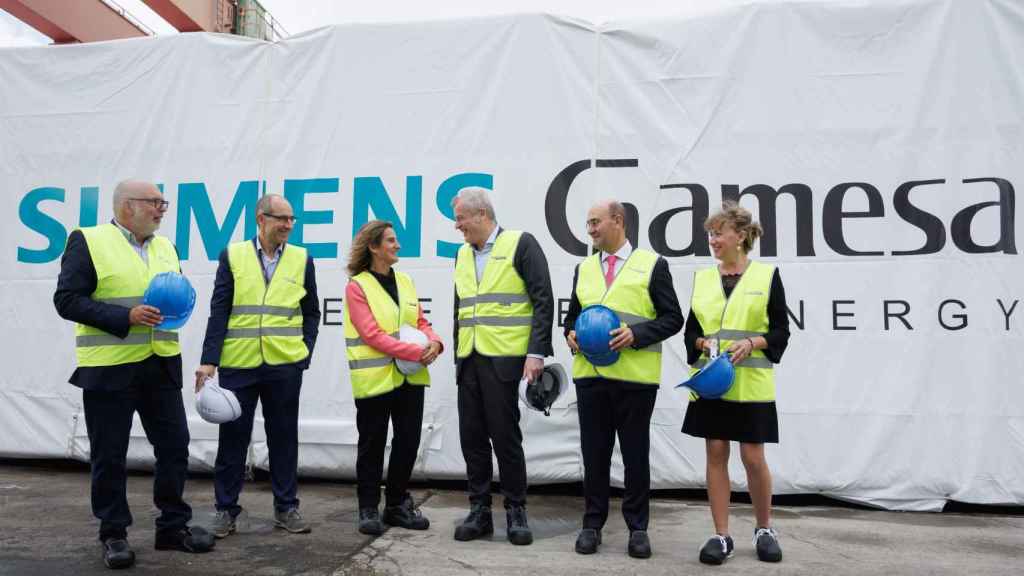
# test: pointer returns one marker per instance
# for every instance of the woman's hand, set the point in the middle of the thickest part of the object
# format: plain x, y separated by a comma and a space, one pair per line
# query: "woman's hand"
430, 353
740, 349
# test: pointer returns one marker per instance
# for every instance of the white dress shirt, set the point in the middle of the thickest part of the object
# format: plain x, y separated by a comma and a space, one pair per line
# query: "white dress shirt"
622, 254
480, 256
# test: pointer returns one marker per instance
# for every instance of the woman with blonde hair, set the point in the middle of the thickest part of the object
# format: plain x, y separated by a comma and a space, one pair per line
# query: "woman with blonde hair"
738, 307
379, 301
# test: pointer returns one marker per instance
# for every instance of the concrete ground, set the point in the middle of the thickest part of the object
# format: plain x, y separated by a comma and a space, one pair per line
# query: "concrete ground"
47, 528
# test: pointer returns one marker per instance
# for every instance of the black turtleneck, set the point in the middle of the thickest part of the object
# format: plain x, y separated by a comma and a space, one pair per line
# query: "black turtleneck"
388, 282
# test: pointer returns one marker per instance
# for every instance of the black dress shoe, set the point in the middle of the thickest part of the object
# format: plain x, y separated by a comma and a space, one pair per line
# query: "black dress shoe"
117, 553
188, 539
518, 532
639, 544
406, 515
588, 541
369, 522
479, 523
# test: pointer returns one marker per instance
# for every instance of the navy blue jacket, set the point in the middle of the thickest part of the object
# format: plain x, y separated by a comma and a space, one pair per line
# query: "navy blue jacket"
217, 327
75, 285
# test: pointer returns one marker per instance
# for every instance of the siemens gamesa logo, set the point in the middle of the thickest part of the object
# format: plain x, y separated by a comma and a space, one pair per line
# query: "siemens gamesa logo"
897, 208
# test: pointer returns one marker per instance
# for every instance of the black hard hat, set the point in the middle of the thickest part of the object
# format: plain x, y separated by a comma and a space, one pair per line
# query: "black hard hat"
541, 394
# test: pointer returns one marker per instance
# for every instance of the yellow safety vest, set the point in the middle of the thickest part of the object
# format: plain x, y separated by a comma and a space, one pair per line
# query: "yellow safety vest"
495, 316
121, 279
629, 296
744, 314
265, 325
372, 372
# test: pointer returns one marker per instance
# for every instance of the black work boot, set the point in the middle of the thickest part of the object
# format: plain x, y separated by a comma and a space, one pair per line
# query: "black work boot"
406, 515
639, 544
478, 523
369, 522
519, 532
588, 541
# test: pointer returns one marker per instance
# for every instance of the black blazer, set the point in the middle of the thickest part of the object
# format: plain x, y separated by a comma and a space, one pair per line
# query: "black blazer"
532, 267
669, 318
217, 325
75, 284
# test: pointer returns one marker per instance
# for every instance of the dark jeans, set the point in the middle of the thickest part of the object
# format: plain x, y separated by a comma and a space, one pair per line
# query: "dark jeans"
607, 407
403, 407
108, 419
280, 400
489, 415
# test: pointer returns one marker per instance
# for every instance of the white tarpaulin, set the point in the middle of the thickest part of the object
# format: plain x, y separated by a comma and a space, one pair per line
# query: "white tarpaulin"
879, 144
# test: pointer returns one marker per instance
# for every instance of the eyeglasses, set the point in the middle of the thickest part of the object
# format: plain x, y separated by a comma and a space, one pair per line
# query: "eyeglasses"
154, 202
281, 217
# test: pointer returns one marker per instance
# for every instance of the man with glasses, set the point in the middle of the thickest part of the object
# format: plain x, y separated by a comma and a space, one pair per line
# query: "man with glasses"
617, 400
264, 318
126, 365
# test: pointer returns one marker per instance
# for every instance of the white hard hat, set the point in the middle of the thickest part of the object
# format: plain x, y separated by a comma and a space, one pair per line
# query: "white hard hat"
217, 405
409, 334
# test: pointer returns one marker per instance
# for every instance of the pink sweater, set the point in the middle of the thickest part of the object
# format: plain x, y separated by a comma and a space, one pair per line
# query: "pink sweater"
364, 322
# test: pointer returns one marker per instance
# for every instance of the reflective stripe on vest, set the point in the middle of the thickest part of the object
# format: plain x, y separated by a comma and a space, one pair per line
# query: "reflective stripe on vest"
133, 338
265, 324
372, 372
744, 314
263, 331
358, 340
121, 279
495, 317
267, 310
629, 296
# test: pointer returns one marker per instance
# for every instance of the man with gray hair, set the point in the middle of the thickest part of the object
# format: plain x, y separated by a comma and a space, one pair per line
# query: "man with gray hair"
503, 314
127, 365
264, 319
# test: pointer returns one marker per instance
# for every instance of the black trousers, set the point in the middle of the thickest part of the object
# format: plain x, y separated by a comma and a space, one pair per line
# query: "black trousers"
108, 419
280, 400
489, 416
403, 407
607, 408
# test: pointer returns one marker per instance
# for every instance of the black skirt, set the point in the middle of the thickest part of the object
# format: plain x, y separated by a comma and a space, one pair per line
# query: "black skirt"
755, 422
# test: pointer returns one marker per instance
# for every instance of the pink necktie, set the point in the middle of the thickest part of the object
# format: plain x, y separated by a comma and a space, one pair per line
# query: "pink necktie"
609, 274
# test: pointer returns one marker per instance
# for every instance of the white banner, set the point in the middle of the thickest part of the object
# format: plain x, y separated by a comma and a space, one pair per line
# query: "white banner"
878, 143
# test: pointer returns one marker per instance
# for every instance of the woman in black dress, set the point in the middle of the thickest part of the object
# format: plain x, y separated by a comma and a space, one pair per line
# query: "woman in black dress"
739, 307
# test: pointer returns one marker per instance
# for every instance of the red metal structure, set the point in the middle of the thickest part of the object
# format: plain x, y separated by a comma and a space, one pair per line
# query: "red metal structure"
67, 21
79, 21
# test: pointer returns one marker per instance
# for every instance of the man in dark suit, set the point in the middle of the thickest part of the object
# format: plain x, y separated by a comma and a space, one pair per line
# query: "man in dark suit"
503, 314
127, 366
264, 319
619, 398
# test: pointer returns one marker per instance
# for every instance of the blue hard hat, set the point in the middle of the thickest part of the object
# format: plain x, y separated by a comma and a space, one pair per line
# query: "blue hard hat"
592, 327
714, 379
174, 296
